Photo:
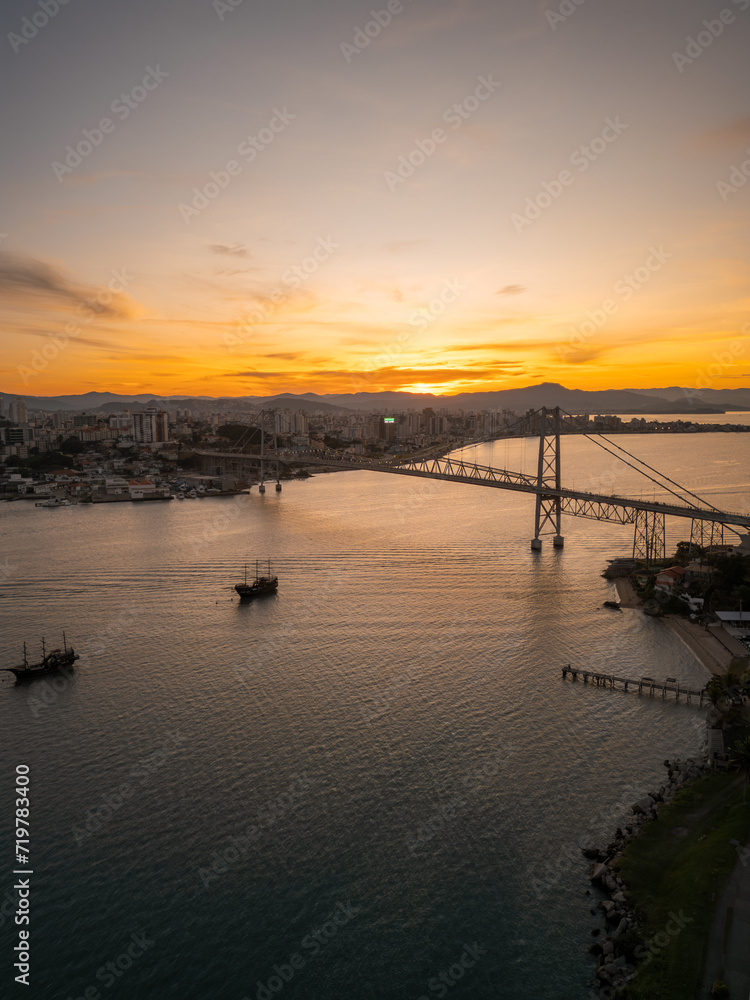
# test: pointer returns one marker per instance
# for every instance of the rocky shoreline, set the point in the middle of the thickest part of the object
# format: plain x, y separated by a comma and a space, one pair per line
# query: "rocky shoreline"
621, 945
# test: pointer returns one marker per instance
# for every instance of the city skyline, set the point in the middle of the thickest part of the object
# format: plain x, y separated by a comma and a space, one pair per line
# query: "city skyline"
213, 200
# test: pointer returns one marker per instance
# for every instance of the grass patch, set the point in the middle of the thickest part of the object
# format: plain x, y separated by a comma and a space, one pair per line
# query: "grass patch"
667, 873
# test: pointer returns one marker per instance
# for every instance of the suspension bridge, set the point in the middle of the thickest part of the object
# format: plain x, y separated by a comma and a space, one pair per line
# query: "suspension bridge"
552, 499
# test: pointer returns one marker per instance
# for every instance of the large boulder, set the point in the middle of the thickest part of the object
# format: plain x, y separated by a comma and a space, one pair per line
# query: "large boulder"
642, 805
598, 872
621, 928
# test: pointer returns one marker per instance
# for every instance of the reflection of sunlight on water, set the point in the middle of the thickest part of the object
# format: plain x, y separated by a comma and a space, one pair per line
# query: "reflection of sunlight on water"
413, 637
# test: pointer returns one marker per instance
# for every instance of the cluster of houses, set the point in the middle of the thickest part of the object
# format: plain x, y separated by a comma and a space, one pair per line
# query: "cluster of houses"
685, 582
109, 481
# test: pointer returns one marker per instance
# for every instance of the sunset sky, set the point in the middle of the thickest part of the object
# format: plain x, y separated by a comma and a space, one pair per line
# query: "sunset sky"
428, 196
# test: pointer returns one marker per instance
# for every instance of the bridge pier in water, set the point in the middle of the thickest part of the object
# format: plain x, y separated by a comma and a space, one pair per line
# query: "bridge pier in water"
558, 542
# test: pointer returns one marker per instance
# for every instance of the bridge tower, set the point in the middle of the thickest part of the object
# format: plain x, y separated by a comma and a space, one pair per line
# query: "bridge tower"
649, 542
706, 533
548, 508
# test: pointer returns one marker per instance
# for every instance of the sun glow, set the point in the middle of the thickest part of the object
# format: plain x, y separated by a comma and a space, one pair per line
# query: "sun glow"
436, 388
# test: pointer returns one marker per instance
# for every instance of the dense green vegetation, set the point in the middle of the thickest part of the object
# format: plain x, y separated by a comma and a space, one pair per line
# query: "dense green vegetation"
725, 589
678, 866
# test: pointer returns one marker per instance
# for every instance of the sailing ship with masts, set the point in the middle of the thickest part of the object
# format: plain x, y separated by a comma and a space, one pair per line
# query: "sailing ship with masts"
50, 663
264, 583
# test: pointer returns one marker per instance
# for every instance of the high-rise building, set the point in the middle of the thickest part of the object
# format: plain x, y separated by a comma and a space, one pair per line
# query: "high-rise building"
151, 427
122, 421
17, 411
387, 428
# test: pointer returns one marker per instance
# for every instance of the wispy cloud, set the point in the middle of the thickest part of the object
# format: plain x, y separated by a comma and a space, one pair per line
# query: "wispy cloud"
22, 276
89, 180
733, 135
232, 250
400, 246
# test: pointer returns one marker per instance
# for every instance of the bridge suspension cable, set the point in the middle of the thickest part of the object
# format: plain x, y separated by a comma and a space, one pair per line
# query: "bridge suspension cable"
684, 491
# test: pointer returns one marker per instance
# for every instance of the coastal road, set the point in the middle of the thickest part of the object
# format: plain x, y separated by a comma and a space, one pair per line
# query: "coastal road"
728, 952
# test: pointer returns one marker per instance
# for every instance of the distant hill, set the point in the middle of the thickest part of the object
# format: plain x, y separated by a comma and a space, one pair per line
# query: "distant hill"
674, 400
530, 397
308, 403
738, 399
91, 400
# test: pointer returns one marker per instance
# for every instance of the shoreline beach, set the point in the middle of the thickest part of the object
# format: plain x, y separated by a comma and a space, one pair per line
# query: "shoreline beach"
714, 657
706, 647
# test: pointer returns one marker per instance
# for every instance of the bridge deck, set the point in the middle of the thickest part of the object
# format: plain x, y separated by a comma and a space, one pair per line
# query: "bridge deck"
576, 502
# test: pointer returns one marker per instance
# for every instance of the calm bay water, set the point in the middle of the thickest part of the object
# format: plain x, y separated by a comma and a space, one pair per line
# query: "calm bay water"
387, 741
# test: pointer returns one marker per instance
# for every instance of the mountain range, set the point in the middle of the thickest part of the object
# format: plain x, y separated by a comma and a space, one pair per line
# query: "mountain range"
672, 399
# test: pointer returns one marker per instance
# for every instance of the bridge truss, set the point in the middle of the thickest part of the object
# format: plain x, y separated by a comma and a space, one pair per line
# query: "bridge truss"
552, 499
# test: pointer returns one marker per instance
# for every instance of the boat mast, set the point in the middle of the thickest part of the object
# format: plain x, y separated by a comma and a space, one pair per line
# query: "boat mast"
65, 644
262, 488
25, 658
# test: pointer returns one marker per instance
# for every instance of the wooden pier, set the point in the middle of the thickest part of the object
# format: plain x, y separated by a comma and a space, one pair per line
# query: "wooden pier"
645, 685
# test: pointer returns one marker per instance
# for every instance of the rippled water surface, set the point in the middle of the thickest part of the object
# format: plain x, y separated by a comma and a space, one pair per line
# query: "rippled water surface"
387, 741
